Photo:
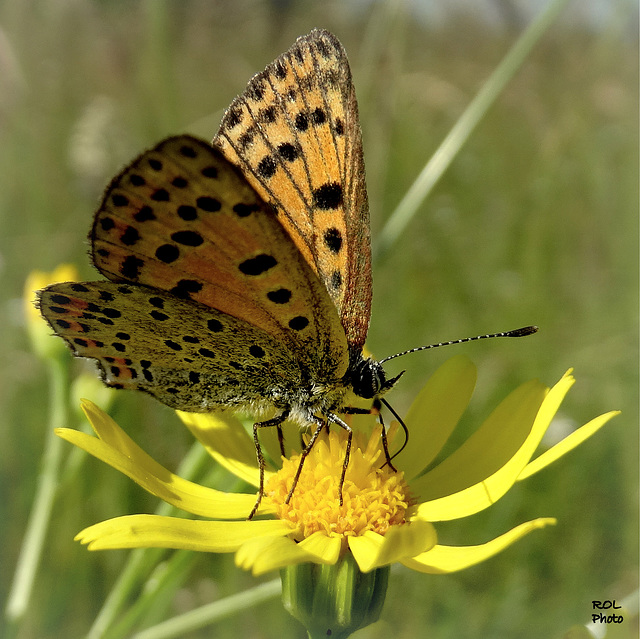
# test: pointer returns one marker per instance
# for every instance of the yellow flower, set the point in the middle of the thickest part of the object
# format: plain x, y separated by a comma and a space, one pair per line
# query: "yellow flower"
39, 332
39, 279
385, 517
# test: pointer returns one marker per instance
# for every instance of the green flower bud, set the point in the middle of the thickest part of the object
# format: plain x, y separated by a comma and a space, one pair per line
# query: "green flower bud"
334, 601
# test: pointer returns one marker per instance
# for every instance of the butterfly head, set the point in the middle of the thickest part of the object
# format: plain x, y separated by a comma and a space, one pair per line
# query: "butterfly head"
368, 378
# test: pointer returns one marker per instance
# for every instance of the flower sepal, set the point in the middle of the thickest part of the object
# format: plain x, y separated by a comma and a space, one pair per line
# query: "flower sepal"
334, 600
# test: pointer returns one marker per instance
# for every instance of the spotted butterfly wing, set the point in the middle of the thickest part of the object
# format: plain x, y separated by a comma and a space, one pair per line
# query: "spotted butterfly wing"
210, 302
295, 134
170, 348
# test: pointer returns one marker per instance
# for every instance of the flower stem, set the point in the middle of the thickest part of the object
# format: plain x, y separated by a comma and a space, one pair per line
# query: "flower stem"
160, 587
210, 613
141, 562
35, 535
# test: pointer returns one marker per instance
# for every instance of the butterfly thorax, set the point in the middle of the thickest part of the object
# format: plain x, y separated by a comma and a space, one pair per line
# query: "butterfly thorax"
365, 378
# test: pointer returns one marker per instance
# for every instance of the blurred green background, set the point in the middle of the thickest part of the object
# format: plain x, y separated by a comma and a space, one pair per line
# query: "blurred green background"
536, 222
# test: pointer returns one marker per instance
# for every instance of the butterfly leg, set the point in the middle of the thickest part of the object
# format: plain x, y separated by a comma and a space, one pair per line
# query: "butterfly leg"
277, 422
280, 439
303, 455
336, 420
385, 446
307, 449
374, 410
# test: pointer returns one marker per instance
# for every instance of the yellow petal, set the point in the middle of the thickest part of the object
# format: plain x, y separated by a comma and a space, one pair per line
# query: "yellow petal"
155, 531
265, 554
372, 550
226, 441
488, 449
117, 449
435, 413
485, 493
446, 559
568, 443
326, 550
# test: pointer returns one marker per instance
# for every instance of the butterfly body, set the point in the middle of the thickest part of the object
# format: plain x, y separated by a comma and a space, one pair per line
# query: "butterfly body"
247, 258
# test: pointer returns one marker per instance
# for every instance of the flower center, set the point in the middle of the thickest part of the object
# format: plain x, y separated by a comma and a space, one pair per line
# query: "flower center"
374, 498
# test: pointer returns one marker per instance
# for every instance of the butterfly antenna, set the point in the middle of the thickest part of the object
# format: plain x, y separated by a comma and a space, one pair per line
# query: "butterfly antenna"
518, 332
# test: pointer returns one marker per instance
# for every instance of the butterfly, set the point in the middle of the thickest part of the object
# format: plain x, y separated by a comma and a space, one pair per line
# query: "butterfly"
239, 272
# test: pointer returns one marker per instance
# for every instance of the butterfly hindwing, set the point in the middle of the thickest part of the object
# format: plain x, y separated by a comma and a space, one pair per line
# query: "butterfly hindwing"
182, 219
188, 356
294, 132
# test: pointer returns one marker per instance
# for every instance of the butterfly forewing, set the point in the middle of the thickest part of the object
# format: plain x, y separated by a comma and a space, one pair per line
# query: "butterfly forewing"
182, 219
295, 134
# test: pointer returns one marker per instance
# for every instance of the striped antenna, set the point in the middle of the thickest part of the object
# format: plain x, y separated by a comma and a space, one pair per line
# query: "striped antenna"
518, 332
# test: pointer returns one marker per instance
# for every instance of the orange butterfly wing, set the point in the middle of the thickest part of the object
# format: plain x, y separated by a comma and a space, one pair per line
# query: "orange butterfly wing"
182, 219
295, 135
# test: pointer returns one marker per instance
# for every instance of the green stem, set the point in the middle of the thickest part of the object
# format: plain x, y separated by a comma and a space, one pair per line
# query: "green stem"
35, 535
211, 613
138, 563
464, 127
142, 561
165, 579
